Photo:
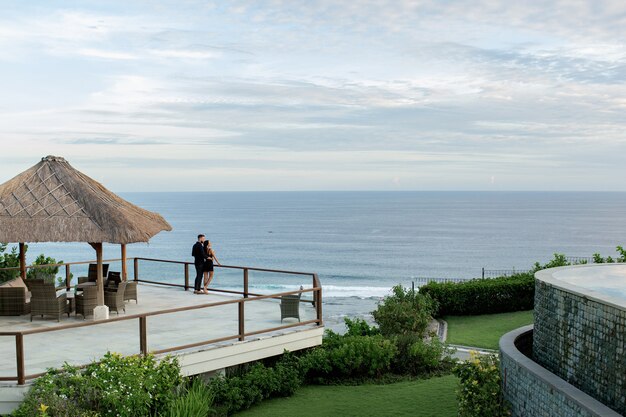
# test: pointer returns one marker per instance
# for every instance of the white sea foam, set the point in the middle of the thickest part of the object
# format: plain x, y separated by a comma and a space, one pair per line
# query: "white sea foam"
329, 291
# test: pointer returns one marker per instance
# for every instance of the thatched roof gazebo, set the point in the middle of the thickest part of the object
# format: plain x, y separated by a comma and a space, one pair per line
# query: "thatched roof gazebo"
53, 202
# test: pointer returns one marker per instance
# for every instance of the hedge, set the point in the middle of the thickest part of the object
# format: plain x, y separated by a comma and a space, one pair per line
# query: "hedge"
483, 296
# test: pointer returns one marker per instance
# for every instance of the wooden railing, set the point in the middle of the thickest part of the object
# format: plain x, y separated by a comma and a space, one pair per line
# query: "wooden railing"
67, 266
241, 334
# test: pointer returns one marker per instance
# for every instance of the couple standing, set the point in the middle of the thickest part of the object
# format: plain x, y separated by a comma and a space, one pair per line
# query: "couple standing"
203, 256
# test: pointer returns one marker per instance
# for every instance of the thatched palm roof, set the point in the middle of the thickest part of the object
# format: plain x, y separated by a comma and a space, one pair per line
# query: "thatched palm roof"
53, 202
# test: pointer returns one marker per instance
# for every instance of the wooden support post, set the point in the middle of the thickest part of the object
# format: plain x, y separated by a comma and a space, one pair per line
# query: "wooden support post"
68, 277
186, 276
143, 335
318, 306
124, 271
19, 353
318, 300
242, 318
23, 260
100, 283
245, 283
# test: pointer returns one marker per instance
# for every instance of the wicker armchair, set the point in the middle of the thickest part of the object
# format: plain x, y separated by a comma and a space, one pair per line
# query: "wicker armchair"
87, 301
45, 302
13, 301
113, 280
131, 291
93, 273
32, 281
290, 307
115, 299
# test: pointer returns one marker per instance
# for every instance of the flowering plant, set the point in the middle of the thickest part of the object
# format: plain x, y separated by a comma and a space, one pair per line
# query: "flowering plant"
479, 393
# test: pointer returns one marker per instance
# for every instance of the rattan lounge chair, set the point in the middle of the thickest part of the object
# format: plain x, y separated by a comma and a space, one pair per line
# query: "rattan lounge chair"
93, 273
32, 281
113, 280
290, 306
115, 299
13, 301
87, 301
131, 291
46, 302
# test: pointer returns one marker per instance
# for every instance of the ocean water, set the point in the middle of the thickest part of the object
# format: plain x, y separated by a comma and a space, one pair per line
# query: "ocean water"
362, 243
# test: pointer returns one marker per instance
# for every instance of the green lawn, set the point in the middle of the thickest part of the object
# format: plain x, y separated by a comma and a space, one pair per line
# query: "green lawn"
484, 331
434, 397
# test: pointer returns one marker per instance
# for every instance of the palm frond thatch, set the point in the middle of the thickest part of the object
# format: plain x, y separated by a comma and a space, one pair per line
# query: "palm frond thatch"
53, 202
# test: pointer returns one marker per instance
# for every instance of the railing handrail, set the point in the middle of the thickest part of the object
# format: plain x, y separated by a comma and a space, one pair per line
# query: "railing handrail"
154, 313
249, 268
240, 335
14, 268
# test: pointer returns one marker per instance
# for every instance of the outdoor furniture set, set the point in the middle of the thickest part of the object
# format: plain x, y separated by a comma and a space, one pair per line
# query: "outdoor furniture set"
40, 298
116, 291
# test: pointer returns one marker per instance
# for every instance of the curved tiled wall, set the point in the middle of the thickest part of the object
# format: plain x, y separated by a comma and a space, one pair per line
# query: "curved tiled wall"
575, 362
533, 391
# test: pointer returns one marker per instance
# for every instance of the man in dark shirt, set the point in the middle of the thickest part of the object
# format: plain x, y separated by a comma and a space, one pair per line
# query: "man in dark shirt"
199, 256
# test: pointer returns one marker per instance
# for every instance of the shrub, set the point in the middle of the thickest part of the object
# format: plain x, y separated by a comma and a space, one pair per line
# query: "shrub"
115, 386
417, 356
479, 392
483, 296
256, 383
46, 272
8, 260
348, 357
405, 311
497, 295
192, 401
359, 327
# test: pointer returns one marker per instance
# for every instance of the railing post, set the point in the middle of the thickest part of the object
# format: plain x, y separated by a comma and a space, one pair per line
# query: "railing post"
318, 300
136, 269
68, 277
245, 283
186, 276
483, 276
143, 335
242, 329
19, 354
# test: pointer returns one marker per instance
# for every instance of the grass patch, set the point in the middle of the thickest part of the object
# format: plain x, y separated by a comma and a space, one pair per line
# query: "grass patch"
434, 397
485, 331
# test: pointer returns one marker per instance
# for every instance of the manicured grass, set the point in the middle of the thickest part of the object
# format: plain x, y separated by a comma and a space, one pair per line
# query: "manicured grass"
434, 397
484, 331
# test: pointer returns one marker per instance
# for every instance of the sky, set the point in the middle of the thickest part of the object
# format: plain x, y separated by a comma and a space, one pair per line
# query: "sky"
317, 95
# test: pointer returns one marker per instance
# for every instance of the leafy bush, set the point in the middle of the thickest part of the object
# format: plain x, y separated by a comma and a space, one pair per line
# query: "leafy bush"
483, 296
359, 327
405, 311
8, 260
497, 295
417, 356
258, 382
192, 401
45, 272
479, 393
115, 386
598, 259
348, 357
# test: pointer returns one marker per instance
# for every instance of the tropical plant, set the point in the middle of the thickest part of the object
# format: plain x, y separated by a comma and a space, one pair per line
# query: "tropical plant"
479, 392
133, 386
8, 260
194, 400
47, 273
404, 311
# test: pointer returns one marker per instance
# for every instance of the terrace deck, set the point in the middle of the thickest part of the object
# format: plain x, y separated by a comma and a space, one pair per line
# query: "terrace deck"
81, 345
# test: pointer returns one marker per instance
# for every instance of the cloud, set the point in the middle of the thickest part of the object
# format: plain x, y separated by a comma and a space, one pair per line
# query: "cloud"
366, 89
